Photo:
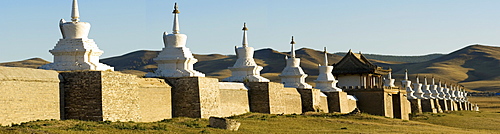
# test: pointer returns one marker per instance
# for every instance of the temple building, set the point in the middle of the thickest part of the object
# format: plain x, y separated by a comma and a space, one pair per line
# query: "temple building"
75, 51
359, 77
293, 75
356, 70
245, 69
175, 59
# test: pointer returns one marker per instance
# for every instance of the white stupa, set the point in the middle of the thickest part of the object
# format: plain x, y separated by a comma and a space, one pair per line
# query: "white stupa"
434, 89
417, 86
447, 92
426, 89
465, 98
389, 82
175, 59
325, 81
454, 93
407, 85
461, 95
441, 91
75, 51
245, 69
293, 75
453, 97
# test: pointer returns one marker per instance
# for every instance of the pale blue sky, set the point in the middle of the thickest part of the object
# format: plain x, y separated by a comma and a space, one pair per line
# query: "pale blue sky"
29, 28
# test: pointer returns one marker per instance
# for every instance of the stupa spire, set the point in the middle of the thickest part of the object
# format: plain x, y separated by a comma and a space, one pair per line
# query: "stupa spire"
74, 12
389, 76
293, 48
325, 62
439, 83
425, 79
175, 29
245, 29
433, 81
245, 69
75, 51
418, 81
406, 74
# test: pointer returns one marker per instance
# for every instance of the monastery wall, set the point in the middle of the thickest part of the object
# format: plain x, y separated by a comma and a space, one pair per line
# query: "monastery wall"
338, 102
155, 100
114, 96
312, 100
374, 101
28, 94
273, 98
234, 99
195, 97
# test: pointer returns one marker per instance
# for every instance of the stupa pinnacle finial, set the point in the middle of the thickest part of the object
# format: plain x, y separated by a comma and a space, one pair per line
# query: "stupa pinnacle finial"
425, 79
293, 48
389, 76
245, 41
175, 29
325, 62
418, 81
176, 9
433, 81
406, 74
74, 12
244, 26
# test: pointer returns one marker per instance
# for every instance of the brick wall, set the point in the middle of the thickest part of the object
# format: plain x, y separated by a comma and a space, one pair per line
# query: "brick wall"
312, 100
234, 99
195, 97
82, 95
28, 94
377, 102
273, 98
155, 100
114, 96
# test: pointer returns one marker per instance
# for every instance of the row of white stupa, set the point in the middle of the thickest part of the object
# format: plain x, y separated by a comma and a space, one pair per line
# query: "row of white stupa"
76, 52
432, 91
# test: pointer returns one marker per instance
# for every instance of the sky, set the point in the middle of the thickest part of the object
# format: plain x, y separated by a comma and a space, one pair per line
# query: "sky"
29, 28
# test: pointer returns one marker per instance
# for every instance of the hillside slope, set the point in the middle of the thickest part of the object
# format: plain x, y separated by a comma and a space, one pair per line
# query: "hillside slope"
394, 58
29, 63
476, 66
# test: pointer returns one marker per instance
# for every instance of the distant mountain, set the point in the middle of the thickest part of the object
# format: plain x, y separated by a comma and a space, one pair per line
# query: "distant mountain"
405, 59
476, 67
29, 63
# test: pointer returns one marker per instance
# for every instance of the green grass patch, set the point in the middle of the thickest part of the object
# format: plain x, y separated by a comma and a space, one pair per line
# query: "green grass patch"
452, 122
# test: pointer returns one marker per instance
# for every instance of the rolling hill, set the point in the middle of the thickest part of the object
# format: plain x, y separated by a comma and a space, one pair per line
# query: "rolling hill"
29, 63
407, 59
476, 67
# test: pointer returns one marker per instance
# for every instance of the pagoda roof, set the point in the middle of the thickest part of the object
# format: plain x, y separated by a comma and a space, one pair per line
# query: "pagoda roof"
353, 63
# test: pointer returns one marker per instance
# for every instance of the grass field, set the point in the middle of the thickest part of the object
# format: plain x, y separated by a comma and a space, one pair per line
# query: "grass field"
487, 121
487, 104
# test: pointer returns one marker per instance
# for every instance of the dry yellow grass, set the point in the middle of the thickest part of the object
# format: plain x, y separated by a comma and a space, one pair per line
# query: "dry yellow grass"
454, 122
485, 121
487, 104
